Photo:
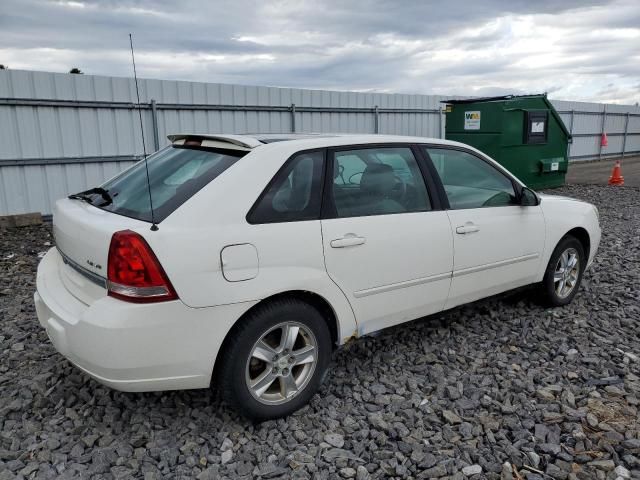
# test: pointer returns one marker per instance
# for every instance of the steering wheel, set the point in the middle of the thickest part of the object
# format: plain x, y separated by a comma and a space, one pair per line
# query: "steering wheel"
341, 173
353, 175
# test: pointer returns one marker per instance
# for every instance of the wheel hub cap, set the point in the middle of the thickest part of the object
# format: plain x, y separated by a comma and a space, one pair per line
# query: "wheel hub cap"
567, 271
281, 363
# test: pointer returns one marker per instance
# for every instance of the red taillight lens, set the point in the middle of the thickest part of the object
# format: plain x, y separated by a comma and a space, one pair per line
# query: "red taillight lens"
134, 272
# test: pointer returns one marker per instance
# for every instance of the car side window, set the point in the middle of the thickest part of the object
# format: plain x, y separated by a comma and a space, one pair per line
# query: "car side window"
377, 181
470, 182
294, 194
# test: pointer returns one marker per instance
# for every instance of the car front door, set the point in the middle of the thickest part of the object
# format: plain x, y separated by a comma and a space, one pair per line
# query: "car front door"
387, 245
497, 242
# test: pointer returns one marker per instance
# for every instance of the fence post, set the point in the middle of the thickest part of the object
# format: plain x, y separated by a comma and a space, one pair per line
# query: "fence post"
293, 118
604, 119
154, 123
376, 124
570, 133
624, 139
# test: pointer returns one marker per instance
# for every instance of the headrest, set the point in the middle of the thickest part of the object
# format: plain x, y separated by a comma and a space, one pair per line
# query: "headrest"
378, 179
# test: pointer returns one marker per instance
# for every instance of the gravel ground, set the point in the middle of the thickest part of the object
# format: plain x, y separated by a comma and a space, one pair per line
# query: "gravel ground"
499, 389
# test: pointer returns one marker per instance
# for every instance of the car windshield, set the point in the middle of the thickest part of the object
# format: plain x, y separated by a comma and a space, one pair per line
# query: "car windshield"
176, 173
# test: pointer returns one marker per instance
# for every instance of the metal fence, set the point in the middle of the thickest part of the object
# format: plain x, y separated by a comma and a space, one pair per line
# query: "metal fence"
158, 116
587, 122
61, 133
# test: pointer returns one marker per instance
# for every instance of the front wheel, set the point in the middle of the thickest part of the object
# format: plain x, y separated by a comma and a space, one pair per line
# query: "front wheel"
275, 359
564, 272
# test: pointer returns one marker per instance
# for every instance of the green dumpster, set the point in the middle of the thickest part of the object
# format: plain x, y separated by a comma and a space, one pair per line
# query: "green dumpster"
523, 133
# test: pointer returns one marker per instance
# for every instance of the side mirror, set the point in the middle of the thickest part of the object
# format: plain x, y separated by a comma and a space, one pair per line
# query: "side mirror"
528, 198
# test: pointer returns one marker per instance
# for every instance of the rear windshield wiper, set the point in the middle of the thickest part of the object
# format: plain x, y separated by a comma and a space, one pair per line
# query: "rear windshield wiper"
80, 196
85, 196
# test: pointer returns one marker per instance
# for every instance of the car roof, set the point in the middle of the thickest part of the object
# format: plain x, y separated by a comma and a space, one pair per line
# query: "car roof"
250, 142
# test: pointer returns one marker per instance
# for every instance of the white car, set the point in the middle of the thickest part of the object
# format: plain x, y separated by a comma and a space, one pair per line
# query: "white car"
264, 253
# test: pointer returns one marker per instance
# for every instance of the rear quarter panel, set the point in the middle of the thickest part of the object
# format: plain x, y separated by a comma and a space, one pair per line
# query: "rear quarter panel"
290, 255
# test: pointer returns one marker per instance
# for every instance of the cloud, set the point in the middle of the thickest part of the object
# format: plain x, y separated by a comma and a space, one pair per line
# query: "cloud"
573, 49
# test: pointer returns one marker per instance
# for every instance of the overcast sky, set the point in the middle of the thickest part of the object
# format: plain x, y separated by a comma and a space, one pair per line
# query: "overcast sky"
574, 50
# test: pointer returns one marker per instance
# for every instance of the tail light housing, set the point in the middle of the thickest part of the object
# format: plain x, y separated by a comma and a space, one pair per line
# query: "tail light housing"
133, 271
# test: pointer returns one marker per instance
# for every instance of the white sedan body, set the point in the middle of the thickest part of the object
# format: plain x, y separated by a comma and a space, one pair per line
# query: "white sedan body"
372, 270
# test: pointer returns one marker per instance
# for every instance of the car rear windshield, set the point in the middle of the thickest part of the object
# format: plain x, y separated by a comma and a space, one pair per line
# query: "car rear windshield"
175, 175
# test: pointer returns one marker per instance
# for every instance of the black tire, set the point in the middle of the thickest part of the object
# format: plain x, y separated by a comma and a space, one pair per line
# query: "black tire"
234, 366
550, 296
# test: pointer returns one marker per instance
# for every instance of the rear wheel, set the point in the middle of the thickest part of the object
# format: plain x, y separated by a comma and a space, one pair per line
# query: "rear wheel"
275, 359
564, 272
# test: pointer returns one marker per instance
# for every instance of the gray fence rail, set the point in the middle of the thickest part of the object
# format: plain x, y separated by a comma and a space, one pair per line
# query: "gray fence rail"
62, 133
568, 116
602, 151
587, 122
153, 108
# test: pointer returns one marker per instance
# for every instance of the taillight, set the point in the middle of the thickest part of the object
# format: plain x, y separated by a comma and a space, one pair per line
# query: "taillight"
134, 272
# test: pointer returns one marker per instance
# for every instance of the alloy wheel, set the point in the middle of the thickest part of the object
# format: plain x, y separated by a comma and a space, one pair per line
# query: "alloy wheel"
281, 363
567, 271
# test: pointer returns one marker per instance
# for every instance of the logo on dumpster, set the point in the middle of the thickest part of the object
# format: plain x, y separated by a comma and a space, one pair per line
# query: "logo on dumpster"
472, 120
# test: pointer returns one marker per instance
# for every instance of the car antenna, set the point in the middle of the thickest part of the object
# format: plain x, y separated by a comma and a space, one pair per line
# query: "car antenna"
154, 226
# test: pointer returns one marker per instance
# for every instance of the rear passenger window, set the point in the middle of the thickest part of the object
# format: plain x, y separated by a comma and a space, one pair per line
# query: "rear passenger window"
294, 193
377, 181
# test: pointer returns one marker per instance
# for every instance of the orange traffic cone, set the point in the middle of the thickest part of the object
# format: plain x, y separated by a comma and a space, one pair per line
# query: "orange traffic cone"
604, 141
616, 177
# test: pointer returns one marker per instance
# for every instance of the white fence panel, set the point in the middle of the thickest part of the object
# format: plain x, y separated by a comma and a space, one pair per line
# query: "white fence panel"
61, 133
588, 121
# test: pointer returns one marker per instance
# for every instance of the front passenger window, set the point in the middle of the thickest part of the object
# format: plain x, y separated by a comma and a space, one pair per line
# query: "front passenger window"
470, 182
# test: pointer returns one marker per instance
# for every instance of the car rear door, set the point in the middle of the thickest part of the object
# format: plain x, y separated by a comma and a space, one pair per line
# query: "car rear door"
387, 243
497, 242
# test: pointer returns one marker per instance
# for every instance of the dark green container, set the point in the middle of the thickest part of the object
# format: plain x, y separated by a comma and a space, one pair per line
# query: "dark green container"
523, 133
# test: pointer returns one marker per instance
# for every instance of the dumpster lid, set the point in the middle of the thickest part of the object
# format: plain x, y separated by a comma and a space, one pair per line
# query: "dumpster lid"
551, 108
488, 99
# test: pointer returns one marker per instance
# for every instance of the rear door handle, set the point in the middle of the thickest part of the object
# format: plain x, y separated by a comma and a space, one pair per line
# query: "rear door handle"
468, 227
349, 240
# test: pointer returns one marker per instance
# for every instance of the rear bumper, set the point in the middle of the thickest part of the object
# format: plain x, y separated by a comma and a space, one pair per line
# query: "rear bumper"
132, 347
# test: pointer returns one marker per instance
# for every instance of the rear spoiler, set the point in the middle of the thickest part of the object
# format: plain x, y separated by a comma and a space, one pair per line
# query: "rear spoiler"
234, 142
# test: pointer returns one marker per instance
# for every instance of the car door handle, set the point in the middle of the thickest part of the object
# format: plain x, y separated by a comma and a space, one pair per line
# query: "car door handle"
467, 228
349, 240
